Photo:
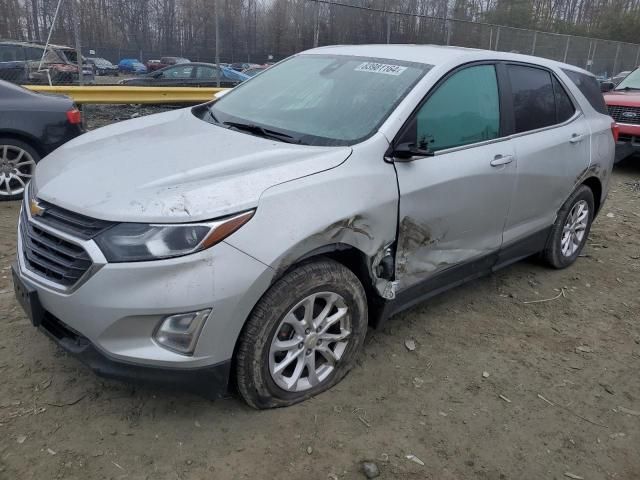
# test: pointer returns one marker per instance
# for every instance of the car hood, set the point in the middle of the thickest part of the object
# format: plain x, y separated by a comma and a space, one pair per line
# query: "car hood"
172, 167
629, 98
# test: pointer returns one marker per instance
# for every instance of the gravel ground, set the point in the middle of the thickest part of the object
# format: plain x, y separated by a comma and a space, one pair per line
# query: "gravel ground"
497, 387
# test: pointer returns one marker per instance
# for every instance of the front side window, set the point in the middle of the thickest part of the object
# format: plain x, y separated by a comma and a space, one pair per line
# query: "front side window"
465, 109
534, 102
322, 99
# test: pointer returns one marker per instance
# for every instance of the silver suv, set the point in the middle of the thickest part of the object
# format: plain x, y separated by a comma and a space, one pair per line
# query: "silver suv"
252, 240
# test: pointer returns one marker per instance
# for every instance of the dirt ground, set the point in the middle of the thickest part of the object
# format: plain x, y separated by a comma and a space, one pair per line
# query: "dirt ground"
560, 397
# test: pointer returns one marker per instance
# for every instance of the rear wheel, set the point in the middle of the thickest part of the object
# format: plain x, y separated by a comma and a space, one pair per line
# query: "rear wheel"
17, 165
303, 335
571, 229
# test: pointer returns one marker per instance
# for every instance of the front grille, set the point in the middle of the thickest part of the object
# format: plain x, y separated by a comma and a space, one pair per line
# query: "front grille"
623, 114
50, 256
84, 228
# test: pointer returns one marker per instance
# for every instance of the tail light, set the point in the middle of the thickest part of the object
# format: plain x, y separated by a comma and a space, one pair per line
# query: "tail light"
74, 116
615, 130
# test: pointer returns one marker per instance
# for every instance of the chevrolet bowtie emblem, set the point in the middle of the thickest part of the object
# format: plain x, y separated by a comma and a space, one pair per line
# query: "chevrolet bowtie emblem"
35, 208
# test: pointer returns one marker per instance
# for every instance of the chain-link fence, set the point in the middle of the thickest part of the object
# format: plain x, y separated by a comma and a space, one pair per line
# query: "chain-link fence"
321, 22
339, 23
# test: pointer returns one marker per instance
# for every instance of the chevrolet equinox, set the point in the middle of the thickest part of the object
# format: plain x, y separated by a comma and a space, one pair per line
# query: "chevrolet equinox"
252, 240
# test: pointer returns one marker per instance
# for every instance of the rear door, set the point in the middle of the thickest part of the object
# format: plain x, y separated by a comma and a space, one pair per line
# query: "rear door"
551, 141
453, 204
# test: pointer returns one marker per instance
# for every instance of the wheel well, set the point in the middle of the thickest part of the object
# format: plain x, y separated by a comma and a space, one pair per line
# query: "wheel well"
23, 138
350, 257
596, 188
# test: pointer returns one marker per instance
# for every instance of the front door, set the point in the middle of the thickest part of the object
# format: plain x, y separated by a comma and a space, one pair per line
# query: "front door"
454, 202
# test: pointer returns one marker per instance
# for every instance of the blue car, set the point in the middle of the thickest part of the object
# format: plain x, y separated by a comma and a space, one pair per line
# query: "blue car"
131, 65
231, 74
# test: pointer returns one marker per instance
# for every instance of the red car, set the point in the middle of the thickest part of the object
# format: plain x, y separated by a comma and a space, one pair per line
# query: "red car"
623, 103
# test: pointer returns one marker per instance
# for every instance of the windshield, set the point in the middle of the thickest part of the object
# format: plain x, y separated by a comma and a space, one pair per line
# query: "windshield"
321, 99
631, 81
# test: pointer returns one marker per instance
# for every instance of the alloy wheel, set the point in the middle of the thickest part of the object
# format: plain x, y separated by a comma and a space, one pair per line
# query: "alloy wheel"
16, 169
309, 341
574, 228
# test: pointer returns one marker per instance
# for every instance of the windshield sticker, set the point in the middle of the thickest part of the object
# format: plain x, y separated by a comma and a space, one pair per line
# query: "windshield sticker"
380, 68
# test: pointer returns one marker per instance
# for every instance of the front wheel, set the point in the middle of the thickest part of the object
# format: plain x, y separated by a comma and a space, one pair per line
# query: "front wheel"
303, 335
571, 229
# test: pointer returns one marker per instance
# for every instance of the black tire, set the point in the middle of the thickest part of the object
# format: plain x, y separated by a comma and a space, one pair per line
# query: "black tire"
13, 142
255, 382
553, 252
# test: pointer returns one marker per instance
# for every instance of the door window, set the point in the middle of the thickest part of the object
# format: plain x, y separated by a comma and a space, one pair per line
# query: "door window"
11, 53
178, 73
588, 85
534, 103
564, 105
34, 53
206, 73
465, 109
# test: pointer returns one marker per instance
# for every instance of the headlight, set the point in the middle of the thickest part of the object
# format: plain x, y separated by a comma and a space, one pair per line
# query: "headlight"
136, 242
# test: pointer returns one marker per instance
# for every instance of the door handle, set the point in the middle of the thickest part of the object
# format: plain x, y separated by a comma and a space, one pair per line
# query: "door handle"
499, 160
576, 138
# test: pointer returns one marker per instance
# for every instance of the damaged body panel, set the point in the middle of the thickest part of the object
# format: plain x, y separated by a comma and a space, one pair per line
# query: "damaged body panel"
443, 214
301, 216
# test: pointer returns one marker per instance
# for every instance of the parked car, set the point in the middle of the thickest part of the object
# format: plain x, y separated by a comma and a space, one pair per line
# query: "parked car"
189, 75
616, 79
253, 71
154, 65
259, 235
623, 105
102, 66
131, 65
20, 62
32, 125
240, 66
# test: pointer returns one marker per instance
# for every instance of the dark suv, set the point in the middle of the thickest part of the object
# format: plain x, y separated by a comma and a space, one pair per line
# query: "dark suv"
20, 63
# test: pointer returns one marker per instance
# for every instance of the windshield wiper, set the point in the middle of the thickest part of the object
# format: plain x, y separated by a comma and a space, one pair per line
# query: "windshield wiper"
261, 131
213, 117
626, 88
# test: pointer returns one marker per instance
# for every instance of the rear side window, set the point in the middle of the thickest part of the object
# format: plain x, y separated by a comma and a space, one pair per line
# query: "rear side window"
590, 88
465, 109
534, 102
564, 106
34, 53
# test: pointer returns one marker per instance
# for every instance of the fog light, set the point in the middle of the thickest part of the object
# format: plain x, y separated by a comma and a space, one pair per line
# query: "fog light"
180, 332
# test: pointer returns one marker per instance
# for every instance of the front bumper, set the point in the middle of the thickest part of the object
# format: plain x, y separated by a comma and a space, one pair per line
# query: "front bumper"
210, 381
628, 141
109, 317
